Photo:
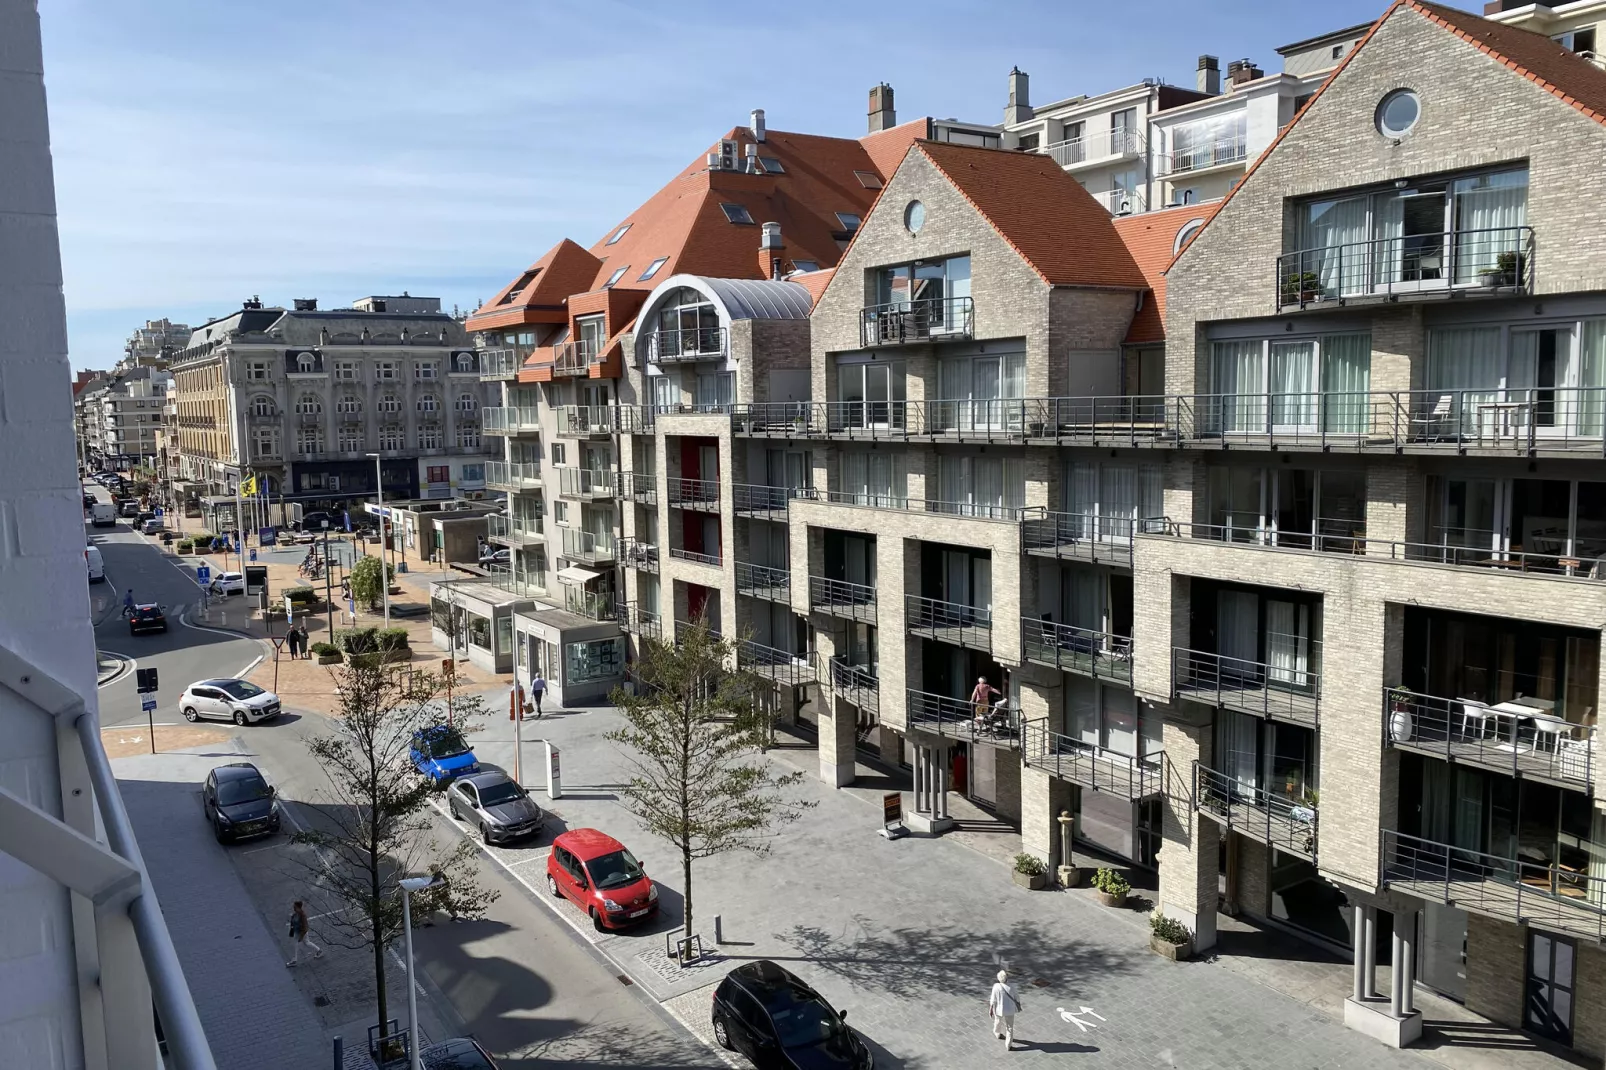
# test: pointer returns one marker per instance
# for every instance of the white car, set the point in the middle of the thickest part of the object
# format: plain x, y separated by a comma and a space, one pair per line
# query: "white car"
228, 583
239, 701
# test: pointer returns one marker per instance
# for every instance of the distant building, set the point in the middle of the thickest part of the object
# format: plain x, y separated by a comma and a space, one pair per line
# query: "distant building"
155, 343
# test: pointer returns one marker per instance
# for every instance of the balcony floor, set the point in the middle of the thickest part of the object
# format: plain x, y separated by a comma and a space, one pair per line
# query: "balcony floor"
1564, 770
767, 592
1503, 901
970, 637
1263, 826
1292, 706
1109, 773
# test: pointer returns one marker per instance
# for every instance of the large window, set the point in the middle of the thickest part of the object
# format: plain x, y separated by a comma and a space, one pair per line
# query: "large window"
1207, 142
599, 659
922, 300
1294, 508
1547, 380
1291, 386
872, 478
992, 487
869, 396
1539, 525
309, 440
1106, 498
1107, 717
687, 325
976, 393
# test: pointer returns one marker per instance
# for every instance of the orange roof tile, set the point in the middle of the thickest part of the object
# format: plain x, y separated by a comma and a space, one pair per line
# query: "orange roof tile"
1152, 240
815, 282
1043, 213
888, 147
545, 285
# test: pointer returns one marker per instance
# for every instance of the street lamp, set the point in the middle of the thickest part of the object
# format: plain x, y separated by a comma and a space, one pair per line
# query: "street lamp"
384, 576
410, 885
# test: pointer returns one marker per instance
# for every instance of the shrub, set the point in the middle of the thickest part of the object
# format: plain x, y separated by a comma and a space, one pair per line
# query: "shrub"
1110, 882
301, 595
367, 586
392, 639
1030, 865
323, 650
358, 640
1170, 930
183, 546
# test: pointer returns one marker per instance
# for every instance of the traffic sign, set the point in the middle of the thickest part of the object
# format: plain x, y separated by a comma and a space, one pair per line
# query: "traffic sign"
148, 703
253, 557
158, 510
145, 680
203, 574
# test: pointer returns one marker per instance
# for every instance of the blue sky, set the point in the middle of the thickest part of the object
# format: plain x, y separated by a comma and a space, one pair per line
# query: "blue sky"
207, 151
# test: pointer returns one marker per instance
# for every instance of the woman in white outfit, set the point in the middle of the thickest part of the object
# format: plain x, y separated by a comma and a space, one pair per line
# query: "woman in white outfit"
1003, 1005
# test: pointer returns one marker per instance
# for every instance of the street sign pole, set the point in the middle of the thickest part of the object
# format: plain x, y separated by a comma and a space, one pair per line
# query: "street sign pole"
328, 582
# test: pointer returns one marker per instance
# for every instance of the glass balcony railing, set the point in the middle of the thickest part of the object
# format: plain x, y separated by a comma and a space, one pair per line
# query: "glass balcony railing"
590, 547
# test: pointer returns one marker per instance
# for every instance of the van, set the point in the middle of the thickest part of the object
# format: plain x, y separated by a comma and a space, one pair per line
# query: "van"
131, 508
97, 566
103, 515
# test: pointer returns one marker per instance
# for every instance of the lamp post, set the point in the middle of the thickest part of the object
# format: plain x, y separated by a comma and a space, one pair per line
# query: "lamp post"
409, 885
384, 575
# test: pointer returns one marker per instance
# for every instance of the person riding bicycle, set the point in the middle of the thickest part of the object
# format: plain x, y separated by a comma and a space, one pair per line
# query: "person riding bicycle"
128, 602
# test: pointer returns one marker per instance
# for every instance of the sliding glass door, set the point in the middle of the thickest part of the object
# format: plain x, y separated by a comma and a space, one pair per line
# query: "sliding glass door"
871, 395
1291, 387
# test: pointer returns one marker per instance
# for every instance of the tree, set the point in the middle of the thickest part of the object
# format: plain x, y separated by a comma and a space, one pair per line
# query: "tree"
691, 734
373, 828
366, 585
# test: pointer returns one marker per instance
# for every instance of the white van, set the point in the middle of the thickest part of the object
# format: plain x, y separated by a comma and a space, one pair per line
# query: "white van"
97, 567
103, 515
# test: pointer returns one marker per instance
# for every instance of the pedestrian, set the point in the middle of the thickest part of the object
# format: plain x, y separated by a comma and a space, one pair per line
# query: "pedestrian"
128, 602
290, 640
298, 935
981, 700
1002, 1006
537, 689
301, 641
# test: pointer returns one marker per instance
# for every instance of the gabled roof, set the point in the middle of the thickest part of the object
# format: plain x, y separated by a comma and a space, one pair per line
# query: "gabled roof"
1042, 212
815, 283
1151, 238
888, 147
565, 269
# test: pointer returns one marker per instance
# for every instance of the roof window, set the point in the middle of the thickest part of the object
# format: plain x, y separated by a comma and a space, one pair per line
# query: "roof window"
737, 213
652, 268
618, 233
868, 179
772, 166
806, 265
616, 276
849, 221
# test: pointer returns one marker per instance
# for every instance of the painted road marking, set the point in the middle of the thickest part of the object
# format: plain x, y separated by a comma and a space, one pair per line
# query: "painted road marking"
1070, 1016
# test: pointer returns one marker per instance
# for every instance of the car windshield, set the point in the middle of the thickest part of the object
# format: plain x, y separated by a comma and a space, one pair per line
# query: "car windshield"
244, 790
802, 1018
444, 743
149, 611
506, 791
241, 689
614, 870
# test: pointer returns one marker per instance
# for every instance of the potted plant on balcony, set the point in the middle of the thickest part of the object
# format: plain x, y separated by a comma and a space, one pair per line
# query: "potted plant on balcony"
1402, 725
1301, 287
1507, 270
1112, 887
1030, 871
1169, 938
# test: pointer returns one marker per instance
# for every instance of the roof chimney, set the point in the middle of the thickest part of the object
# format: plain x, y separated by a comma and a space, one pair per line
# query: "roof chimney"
770, 247
882, 114
752, 159
1019, 108
1240, 71
1210, 75
306, 304
756, 125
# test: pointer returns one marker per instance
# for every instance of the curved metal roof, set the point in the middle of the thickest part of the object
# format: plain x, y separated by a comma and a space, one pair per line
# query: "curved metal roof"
743, 299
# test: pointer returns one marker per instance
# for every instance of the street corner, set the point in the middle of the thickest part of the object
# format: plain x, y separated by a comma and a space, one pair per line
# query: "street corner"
110, 667
127, 740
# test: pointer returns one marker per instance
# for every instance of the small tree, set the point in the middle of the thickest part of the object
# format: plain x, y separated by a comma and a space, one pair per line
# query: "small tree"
691, 733
366, 586
373, 828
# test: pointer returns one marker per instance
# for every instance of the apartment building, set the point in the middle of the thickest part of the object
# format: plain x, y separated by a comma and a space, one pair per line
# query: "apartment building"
118, 418
156, 342
304, 398
1579, 26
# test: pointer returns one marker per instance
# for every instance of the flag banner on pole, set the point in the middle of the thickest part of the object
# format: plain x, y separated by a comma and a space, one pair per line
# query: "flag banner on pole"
248, 487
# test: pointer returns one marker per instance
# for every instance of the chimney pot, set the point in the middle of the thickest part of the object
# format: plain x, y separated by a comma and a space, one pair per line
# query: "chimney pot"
756, 125
752, 158
770, 236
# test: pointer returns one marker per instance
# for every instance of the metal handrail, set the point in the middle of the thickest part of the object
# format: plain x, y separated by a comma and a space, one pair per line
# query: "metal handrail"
589, 604
693, 493
633, 553
1495, 260
1271, 818
794, 670
512, 473
841, 598
573, 358
644, 622
586, 483
686, 344
1250, 686
1220, 151
1099, 145
926, 320
592, 545
751, 579
1078, 536
694, 555
589, 420
500, 363
518, 529
637, 486
1069, 758
755, 498
508, 418
855, 683
1087, 651
963, 719
1122, 201
955, 622
1469, 730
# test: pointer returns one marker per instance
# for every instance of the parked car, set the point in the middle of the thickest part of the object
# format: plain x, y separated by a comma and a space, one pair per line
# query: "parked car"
147, 617
594, 870
441, 754
89, 500
496, 558
314, 521
239, 701
103, 514
226, 583
460, 1054
239, 803
129, 509
771, 1016
496, 803
97, 564
152, 526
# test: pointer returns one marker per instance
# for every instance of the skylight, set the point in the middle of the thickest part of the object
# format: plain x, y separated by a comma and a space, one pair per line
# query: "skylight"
848, 220
772, 166
618, 233
652, 268
868, 179
806, 265
616, 276
736, 213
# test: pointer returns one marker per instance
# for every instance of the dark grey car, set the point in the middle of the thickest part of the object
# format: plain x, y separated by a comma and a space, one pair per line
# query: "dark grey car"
501, 809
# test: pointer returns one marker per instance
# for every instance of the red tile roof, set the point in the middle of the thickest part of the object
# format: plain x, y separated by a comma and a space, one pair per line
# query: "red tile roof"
888, 147
815, 282
1152, 240
1043, 213
546, 285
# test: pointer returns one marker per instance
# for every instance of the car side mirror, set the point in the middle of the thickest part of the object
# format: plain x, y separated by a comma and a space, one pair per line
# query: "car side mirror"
843, 1015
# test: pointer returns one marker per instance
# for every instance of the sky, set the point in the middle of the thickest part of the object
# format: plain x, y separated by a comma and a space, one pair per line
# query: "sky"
208, 151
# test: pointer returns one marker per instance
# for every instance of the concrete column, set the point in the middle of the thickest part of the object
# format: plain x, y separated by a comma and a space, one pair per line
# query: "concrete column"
1369, 951
920, 780
1042, 798
1359, 984
836, 745
1397, 975
939, 808
891, 747
1189, 865
1405, 924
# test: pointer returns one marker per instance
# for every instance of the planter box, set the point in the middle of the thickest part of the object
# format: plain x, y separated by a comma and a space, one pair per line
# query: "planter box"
1070, 876
1174, 952
1112, 900
184, 550
330, 659
404, 654
1034, 881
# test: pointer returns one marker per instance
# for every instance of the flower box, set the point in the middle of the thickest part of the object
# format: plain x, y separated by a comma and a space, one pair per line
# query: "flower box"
1175, 952
1034, 881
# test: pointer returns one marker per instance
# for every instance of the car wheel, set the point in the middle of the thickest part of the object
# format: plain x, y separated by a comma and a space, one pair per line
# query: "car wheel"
485, 834
451, 808
190, 714
239, 718
721, 1034
552, 886
596, 921
217, 833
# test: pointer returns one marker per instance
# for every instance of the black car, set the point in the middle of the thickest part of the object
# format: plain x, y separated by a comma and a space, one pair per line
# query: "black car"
147, 617
89, 499
769, 1015
239, 803
459, 1054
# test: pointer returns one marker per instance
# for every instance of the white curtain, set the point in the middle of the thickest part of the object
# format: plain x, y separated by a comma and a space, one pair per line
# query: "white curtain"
1293, 385
1388, 259
856, 476
1082, 497
1346, 378
1014, 486
1240, 383
1238, 629
987, 486
1014, 390
1151, 491
951, 480
1331, 239
953, 386
1235, 744
1120, 722
1591, 377
1082, 709
1287, 644
1468, 365
1084, 602
1489, 209
1118, 502
886, 488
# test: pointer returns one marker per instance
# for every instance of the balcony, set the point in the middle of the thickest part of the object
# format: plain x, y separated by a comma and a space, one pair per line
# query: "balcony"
750, 499
1078, 536
1119, 202
513, 420
588, 421
573, 358
1507, 737
589, 604
633, 553
309, 419
761, 581
1456, 263
1083, 651
257, 416
839, 598
585, 484
857, 684
699, 494
1207, 155
940, 319
1095, 420
637, 621
949, 622
1102, 147
588, 547
1275, 820
1283, 693
518, 475
778, 666
680, 553
639, 487
513, 531
500, 365
958, 718
686, 346
1092, 767
634, 419
1545, 895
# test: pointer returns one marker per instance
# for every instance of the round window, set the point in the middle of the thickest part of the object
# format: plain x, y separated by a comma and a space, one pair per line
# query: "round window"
1398, 112
914, 217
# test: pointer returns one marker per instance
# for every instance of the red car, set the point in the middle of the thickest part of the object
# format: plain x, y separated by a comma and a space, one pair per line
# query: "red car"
595, 871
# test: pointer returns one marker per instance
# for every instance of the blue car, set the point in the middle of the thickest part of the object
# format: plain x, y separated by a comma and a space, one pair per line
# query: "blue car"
441, 754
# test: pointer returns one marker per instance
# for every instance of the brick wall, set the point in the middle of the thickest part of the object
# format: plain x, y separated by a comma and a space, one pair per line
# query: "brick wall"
1496, 960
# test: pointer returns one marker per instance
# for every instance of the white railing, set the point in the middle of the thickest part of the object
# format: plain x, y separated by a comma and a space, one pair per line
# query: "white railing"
1123, 201
1120, 143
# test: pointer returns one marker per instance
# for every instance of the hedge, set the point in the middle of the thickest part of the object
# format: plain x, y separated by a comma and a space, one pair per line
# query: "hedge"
392, 639
301, 595
358, 640
323, 650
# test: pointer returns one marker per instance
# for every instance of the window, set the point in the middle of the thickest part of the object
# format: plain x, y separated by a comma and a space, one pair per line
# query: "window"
518, 287
1107, 499
600, 659
262, 405
560, 512
389, 403
978, 393
1185, 235
735, 213
872, 395
345, 369
467, 403
306, 363
348, 403
687, 326
771, 165
868, 179
429, 437
1580, 41
806, 265
872, 478
618, 234
1029, 142
652, 268
1549, 380
992, 487
1292, 385
1398, 113
385, 369
428, 403
914, 217
715, 391
349, 439
257, 369
1294, 508
465, 363
265, 442
425, 369
1207, 142
616, 276
468, 437
473, 473
309, 440
849, 221
438, 473
560, 454
391, 437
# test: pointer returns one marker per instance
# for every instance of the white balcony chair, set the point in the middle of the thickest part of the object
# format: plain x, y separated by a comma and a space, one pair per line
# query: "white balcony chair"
1433, 423
1475, 713
1553, 731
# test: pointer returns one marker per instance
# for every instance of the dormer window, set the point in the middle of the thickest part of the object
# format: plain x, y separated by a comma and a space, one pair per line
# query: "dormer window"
868, 179
615, 277
849, 221
737, 213
619, 234
520, 286
652, 268
306, 362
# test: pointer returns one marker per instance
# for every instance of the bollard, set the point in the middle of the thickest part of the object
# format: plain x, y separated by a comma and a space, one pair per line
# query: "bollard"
719, 929
340, 1053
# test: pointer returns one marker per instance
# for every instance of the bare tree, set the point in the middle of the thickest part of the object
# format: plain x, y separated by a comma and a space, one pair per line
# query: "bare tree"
691, 736
372, 827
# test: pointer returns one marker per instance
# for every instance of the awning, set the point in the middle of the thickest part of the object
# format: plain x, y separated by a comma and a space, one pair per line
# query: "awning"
576, 575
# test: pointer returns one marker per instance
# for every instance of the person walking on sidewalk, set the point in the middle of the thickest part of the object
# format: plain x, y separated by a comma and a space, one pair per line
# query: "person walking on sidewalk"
537, 689
292, 640
1002, 1006
298, 935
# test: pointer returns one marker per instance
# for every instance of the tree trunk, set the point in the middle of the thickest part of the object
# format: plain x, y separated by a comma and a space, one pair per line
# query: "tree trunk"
685, 907
379, 943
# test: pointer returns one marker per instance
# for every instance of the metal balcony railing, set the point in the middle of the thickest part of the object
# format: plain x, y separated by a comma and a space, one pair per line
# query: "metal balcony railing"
590, 547
309, 419
591, 605
258, 416
643, 622
748, 498
572, 358
1114, 419
1091, 766
510, 420
855, 601
1084, 651
1276, 820
688, 344
1226, 150
586, 484
761, 581
699, 494
1332, 535
634, 419
588, 421
1284, 692
637, 487
697, 556
1120, 202
786, 669
1505, 737
515, 475
1078, 536
958, 718
682, 627
857, 684
1496, 261
929, 320
1547, 895
513, 531
633, 553
500, 364
949, 622
1101, 146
